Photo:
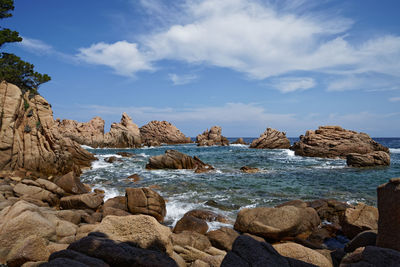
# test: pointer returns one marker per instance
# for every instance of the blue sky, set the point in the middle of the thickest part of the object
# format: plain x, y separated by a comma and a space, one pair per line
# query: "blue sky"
243, 65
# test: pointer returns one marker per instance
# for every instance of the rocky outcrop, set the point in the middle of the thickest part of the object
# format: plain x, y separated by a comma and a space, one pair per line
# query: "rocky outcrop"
335, 142
271, 139
358, 219
173, 159
239, 141
247, 169
212, 137
121, 135
28, 138
389, 215
162, 132
277, 223
377, 158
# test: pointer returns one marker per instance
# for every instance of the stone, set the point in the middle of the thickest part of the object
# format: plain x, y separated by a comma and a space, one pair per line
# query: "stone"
190, 223
212, 137
178, 259
363, 239
247, 169
142, 230
372, 256
32, 248
239, 141
373, 159
223, 238
52, 187
113, 211
207, 215
389, 215
54, 247
118, 202
112, 159
65, 228
79, 257
135, 177
125, 154
277, 223
299, 252
190, 238
162, 132
35, 192
358, 219
83, 201
335, 142
42, 149
248, 252
173, 159
71, 183
271, 139
329, 209
146, 201
63, 262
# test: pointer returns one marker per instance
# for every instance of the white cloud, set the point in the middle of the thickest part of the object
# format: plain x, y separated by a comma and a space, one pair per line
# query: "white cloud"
394, 99
181, 79
37, 46
291, 84
123, 57
259, 39
366, 81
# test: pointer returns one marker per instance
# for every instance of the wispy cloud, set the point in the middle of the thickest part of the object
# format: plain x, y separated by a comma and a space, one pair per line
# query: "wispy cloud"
291, 84
182, 79
36, 46
394, 99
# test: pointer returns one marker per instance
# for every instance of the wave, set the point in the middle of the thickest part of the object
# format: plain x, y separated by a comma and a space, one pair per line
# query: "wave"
86, 147
239, 145
394, 150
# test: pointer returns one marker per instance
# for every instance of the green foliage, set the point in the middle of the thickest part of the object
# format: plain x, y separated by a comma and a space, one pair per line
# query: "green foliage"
26, 105
12, 68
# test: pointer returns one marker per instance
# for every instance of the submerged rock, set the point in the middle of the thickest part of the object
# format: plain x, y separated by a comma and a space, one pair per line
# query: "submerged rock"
377, 158
173, 159
335, 142
29, 138
212, 137
271, 139
162, 132
239, 141
247, 169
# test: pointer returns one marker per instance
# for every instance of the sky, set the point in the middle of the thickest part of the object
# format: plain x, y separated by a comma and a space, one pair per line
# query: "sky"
244, 65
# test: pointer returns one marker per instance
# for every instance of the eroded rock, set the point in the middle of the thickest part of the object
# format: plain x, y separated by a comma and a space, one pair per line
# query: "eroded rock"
271, 139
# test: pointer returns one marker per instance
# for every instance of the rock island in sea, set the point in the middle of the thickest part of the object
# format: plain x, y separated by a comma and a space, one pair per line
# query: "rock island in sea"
52, 214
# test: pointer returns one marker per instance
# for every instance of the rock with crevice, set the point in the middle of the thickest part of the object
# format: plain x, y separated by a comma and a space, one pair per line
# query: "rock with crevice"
373, 159
271, 139
145, 201
33, 142
335, 142
358, 219
162, 132
212, 137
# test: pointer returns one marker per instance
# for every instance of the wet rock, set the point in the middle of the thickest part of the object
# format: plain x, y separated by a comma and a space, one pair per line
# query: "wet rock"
373, 159
83, 201
389, 214
125, 154
212, 137
363, 239
112, 159
335, 142
247, 169
190, 223
71, 183
277, 223
146, 201
329, 209
358, 219
142, 230
222, 238
239, 141
271, 139
135, 177
162, 132
173, 159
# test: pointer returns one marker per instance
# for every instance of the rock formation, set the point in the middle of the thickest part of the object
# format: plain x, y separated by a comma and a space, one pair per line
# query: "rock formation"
271, 139
377, 158
173, 159
28, 138
162, 132
212, 137
335, 142
239, 141
121, 135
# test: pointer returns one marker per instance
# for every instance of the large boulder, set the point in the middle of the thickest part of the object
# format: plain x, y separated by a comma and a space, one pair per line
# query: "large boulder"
173, 159
123, 134
359, 219
212, 137
248, 252
35, 192
207, 215
146, 201
162, 132
142, 230
271, 139
372, 256
29, 138
377, 158
329, 209
190, 223
83, 201
389, 215
32, 248
223, 238
71, 183
190, 238
299, 252
277, 223
335, 142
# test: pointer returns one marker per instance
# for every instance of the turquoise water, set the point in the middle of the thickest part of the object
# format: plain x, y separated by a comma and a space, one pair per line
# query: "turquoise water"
282, 177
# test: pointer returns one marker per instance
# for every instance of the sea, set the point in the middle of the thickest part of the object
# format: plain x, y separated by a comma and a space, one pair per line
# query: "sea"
283, 176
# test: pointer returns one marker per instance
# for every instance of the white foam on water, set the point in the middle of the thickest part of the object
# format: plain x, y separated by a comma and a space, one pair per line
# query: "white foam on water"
216, 225
99, 164
176, 209
108, 192
86, 147
355, 201
290, 153
109, 155
251, 206
143, 155
394, 150
239, 145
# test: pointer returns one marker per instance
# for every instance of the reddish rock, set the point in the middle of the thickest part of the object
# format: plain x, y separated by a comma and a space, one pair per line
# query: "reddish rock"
146, 201
212, 137
71, 183
359, 219
335, 142
247, 169
239, 141
207, 215
271, 139
190, 223
83, 201
223, 238
156, 132
119, 202
377, 158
